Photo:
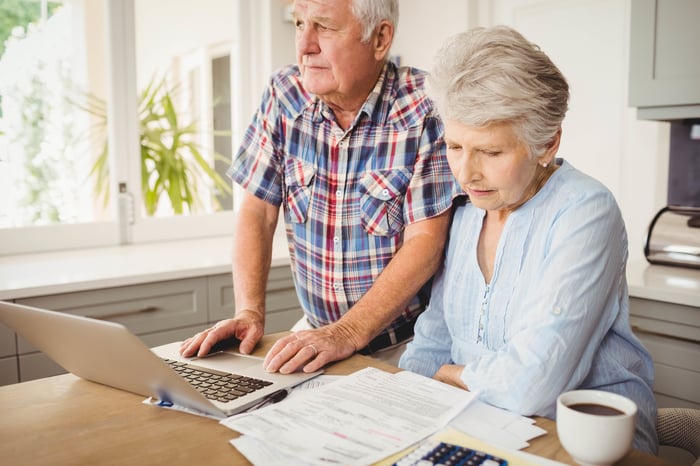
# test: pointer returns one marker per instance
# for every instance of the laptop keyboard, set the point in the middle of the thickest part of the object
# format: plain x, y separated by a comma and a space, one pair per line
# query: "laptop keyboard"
441, 453
217, 385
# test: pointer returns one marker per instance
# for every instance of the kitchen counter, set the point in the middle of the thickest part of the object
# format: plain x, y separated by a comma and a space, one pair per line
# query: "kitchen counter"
29, 275
677, 285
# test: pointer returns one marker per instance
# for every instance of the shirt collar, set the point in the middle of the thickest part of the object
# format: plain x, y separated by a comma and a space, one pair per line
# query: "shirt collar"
375, 107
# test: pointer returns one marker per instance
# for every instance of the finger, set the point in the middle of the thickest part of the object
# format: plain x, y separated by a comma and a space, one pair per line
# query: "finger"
283, 354
191, 345
209, 340
306, 353
248, 343
277, 348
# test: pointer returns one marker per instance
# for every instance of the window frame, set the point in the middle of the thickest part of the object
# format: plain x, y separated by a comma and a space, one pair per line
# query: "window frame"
250, 64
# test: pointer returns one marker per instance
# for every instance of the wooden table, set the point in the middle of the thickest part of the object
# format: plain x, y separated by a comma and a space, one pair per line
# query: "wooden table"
65, 420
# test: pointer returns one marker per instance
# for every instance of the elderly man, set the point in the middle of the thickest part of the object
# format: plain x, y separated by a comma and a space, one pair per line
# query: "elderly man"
350, 146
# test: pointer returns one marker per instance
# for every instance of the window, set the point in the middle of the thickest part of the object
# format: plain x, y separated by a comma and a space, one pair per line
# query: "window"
77, 64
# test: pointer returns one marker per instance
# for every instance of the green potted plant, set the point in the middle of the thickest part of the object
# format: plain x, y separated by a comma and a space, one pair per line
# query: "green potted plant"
171, 161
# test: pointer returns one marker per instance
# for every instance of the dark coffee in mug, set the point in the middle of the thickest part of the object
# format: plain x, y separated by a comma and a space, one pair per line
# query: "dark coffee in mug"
595, 408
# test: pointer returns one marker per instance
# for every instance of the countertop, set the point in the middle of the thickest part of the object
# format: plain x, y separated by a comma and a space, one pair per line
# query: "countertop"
29, 275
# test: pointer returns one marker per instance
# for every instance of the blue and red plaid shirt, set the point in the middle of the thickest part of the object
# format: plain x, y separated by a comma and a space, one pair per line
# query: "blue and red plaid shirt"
346, 194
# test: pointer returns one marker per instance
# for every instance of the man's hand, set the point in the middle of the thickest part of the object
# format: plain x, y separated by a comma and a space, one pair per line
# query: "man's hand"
247, 326
310, 349
451, 374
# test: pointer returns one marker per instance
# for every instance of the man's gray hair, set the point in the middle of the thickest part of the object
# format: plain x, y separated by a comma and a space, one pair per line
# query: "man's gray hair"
488, 75
371, 12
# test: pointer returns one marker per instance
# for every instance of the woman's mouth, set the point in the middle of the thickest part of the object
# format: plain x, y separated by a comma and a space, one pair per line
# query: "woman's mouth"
478, 192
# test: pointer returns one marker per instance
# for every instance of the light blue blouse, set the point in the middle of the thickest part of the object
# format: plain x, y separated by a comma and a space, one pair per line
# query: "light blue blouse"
555, 316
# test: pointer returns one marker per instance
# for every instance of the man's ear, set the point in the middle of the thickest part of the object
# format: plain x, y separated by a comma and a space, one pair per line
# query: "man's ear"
383, 37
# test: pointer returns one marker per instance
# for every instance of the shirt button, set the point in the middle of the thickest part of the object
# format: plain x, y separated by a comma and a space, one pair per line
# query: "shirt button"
336, 286
336, 240
556, 310
338, 193
385, 192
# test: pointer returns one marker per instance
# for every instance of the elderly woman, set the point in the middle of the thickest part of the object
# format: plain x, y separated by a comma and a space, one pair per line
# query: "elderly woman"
532, 299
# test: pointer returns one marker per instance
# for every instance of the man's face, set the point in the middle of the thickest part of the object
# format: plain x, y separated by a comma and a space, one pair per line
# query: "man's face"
335, 65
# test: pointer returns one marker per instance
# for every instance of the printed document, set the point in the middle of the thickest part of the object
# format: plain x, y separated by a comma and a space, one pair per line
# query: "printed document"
357, 420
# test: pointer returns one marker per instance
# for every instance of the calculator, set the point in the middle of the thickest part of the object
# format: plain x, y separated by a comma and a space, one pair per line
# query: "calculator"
441, 453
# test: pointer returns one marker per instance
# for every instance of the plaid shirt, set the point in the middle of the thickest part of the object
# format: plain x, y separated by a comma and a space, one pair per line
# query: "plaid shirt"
347, 194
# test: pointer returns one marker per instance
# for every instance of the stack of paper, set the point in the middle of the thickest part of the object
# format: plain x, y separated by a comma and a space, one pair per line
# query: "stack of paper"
496, 426
357, 420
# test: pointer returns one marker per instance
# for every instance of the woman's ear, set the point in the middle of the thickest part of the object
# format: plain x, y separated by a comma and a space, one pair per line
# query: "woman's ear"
551, 149
383, 38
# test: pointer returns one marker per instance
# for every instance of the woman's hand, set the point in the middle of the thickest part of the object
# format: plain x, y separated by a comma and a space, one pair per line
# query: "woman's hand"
451, 374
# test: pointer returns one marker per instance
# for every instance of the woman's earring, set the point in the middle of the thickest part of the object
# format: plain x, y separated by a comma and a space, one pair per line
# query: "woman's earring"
544, 164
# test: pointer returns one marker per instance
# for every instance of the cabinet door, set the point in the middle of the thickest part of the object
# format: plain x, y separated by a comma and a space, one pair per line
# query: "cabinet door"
283, 308
664, 65
158, 313
8, 357
676, 370
8, 370
671, 333
143, 309
7, 342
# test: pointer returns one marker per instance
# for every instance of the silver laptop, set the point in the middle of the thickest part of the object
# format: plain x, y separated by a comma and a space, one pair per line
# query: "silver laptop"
108, 353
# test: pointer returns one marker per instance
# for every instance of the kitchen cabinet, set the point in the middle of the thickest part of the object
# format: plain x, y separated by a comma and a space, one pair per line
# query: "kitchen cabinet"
664, 71
158, 313
8, 357
282, 305
671, 333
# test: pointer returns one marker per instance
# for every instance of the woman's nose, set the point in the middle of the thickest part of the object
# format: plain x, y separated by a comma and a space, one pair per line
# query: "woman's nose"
468, 169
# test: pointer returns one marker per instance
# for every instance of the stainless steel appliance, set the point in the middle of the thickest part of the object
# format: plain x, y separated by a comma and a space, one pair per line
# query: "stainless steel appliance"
673, 237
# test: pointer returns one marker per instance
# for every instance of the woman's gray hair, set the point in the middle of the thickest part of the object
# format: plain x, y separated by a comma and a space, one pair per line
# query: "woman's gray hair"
488, 75
371, 12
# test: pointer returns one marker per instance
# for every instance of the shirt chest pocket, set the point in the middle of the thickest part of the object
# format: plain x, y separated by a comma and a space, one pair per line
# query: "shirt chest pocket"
298, 176
381, 202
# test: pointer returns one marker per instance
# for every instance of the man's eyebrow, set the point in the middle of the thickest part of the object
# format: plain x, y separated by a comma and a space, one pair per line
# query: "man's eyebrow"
315, 19
321, 19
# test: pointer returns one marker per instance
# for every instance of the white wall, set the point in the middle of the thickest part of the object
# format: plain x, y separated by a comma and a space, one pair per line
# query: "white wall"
167, 28
424, 26
588, 40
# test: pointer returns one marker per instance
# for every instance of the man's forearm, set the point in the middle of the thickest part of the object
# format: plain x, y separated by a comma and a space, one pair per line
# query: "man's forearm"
252, 256
413, 265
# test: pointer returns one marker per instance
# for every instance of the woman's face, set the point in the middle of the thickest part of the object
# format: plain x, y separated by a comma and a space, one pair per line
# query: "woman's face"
492, 165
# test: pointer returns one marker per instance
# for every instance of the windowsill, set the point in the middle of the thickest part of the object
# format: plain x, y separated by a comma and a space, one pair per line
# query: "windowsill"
29, 275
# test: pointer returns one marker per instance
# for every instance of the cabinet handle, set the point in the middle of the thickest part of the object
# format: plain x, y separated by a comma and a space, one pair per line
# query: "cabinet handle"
126, 313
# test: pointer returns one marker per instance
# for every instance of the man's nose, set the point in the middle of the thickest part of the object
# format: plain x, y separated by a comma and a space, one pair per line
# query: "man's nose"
307, 42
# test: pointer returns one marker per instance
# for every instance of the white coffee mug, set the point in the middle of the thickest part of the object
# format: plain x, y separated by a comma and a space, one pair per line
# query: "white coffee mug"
596, 427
